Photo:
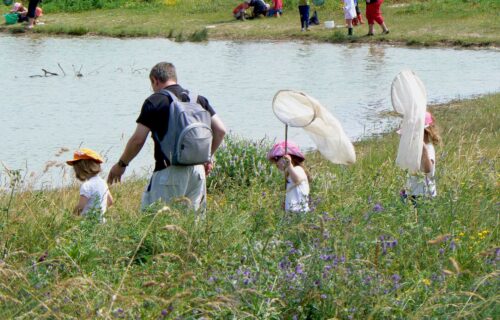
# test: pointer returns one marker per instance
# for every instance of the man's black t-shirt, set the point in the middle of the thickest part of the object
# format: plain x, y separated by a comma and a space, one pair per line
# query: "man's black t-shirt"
154, 115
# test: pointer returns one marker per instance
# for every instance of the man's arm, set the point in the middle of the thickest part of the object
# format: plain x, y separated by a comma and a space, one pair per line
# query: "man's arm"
219, 131
132, 149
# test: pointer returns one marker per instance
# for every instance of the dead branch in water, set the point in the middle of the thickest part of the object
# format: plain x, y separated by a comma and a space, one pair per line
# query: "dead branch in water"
79, 72
64, 73
46, 73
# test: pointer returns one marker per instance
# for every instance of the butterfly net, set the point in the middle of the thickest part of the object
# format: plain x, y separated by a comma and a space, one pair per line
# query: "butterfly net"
298, 109
409, 99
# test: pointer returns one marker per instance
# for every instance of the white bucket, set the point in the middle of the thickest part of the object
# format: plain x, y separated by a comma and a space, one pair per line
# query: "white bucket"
329, 24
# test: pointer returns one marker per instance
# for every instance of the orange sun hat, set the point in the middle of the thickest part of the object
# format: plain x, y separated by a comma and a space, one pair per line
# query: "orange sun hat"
85, 154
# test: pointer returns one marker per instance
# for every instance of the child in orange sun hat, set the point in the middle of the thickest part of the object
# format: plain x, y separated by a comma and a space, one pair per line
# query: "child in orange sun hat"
94, 192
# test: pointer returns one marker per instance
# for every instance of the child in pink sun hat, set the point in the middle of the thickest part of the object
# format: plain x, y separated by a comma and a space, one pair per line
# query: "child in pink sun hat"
291, 162
423, 184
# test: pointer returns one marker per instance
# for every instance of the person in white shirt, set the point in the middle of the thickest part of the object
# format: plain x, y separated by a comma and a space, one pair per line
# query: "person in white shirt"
424, 184
94, 192
290, 160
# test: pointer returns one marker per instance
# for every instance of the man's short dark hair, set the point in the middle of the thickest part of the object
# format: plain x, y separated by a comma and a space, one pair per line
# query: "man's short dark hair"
163, 71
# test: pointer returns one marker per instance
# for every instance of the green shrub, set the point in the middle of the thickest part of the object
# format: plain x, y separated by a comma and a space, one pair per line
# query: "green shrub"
241, 162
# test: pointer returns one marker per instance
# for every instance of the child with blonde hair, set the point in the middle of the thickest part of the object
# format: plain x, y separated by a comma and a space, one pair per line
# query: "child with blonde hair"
94, 192
291, 162
424, 185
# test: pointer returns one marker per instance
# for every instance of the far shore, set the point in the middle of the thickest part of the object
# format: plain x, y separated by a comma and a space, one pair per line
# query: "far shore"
460, 25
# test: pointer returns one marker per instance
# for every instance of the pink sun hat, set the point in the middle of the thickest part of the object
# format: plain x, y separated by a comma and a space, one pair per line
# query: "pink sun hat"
16, 7
428, 119
427, 122
278, 150
38, 12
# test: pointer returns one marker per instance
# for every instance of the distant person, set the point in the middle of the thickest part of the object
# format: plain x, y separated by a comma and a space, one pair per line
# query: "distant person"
276, 10
304, 14
33, 12
259, 7
19, 9
423, 185
240, 11
374, 14
297, 177
168, 181
349, 14
359, 17
94, 192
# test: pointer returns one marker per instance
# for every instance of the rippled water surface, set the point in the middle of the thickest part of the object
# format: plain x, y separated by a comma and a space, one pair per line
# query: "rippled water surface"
39, 115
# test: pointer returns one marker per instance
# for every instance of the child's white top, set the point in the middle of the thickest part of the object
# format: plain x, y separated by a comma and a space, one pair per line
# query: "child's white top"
349, 9
96, 190
419, 185
297, 195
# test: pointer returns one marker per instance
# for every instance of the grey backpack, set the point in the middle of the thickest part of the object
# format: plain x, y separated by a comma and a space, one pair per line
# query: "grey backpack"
188, 140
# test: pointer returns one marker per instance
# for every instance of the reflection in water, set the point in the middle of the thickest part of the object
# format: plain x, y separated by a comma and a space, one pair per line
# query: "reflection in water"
99, 109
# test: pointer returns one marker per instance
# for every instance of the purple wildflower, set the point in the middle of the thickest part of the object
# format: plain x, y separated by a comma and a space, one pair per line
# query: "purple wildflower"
441, 251
299, 269
396, 278
324, 296
393, 243
283, 264
378, 207
453, 245
326, 257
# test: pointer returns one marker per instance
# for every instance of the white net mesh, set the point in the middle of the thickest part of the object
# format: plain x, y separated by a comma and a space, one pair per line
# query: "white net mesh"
293, 108
409, 98
301, 110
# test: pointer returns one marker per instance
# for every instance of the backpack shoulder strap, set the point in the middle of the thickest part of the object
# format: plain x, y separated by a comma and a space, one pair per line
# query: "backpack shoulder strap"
192, 97
169, 93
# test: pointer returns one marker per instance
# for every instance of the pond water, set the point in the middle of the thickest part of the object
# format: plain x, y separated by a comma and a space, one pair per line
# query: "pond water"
39, 115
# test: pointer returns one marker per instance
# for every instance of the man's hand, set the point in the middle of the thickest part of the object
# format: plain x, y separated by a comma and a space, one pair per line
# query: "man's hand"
208, 167
115, 174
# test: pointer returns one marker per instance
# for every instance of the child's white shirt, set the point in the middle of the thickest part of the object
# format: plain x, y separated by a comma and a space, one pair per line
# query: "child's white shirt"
297, 194
349, 9
96, 191
419, 185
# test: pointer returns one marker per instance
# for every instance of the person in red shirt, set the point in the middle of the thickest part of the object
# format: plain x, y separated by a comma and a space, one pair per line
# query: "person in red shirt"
374, 14
277, 9
239, 11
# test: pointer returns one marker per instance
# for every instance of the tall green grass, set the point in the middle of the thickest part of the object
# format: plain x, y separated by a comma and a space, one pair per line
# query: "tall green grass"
362, 253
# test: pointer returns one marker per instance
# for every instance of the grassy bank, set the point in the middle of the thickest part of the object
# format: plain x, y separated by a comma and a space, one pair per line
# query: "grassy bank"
362, 253
432, 22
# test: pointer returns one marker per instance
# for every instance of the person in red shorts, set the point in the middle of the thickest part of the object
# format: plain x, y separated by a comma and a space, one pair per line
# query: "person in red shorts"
373, 14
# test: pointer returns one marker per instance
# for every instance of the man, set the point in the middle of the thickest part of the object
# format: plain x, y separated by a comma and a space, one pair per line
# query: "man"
167, 182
